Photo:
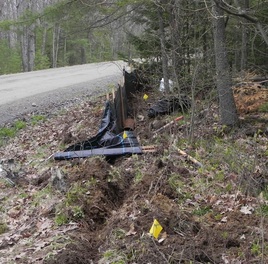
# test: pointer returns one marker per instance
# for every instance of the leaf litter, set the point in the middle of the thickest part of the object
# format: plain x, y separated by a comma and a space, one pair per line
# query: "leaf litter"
101, 211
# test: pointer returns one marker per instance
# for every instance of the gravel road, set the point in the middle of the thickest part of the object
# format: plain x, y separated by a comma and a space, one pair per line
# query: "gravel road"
46, 91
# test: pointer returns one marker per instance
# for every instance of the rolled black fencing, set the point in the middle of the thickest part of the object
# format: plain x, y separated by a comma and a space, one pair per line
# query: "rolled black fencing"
115, 136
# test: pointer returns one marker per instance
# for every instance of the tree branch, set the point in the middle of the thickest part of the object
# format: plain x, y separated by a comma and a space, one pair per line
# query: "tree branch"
242, 13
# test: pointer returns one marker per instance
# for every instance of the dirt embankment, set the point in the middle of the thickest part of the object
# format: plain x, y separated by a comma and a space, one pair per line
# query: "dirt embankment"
100, 211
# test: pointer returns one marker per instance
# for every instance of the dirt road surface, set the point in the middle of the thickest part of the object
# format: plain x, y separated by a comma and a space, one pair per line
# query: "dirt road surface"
41, 91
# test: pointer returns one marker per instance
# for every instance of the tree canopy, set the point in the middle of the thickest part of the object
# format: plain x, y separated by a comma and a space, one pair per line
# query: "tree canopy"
174, 36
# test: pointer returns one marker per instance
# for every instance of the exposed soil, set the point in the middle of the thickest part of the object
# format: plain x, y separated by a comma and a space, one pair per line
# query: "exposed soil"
213, 214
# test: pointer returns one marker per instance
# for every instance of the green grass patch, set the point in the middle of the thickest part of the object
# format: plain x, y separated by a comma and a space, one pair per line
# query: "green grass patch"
10, 132
61, 219
18, 125
37, 118
263, 210
75, 194
77, 212
3, 228
264, 108
201, 211
7, 132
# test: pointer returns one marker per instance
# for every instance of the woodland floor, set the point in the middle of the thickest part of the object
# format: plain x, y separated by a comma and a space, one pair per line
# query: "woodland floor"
98, 211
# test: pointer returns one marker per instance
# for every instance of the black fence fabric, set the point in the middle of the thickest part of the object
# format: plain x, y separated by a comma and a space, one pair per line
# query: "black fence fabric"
111, 138
169, 105
105, 134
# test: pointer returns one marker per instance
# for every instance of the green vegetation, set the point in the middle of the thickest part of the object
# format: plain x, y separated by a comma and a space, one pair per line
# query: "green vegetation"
6, 132
264, 108
3, 228
119, 201
263, 210
256, 249
40, 196
71, 208
201, 211
114, 257
37, 118
77, 212
19, 125
138, 176
10, 132
75, 194
10, 61
61, 219
41, 61
115, 174
118, 233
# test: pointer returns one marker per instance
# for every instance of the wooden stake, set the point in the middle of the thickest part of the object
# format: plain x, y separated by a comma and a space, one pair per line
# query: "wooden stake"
193, 160
150, 149
168, 124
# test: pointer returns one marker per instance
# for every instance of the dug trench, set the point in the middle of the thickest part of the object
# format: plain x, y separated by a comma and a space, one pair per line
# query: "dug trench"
98, 202
119, 209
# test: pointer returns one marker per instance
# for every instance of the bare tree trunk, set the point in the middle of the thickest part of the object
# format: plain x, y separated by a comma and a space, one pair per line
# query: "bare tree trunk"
244, 36
13, 37
31, 47
24, 48
241, 13
8, 12
163, 50
44, 40
244, 45
227, 107
56, 37
175, 40
27, 37
64, 51
27, 41
83, 55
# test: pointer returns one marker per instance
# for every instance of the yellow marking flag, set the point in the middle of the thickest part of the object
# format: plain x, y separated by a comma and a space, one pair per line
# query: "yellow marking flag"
155, 229
145, 97
124, 135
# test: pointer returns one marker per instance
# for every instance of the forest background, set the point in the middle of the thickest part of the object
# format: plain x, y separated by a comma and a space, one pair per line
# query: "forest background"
198, 44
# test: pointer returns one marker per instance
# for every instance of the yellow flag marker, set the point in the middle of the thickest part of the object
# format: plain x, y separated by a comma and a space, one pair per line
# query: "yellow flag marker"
124, 135
155, 229
145, 97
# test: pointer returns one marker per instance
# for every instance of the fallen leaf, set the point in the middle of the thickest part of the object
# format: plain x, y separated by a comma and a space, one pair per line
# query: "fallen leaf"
131, 230
224, 219
243, 237
163, 237
247, 210
26, 234
44, 224
14, 213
